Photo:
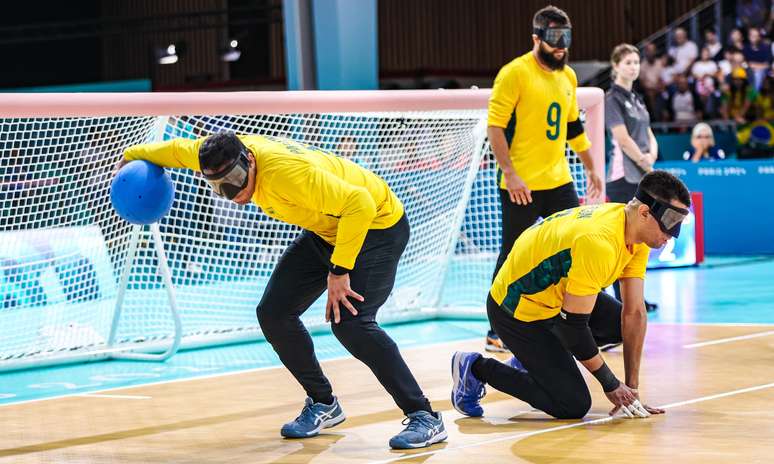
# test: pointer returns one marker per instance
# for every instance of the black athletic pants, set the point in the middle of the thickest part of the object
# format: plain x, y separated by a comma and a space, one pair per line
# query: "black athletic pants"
518, 218
552, 381
301, 277
620, 191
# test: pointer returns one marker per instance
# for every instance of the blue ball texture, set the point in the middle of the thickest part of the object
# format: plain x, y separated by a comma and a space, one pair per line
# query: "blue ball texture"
142, 193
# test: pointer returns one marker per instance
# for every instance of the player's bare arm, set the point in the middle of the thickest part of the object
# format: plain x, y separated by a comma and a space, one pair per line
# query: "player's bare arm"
576, 336
634, 322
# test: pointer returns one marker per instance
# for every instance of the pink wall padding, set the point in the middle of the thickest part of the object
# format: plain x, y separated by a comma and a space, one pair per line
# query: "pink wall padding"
592, 99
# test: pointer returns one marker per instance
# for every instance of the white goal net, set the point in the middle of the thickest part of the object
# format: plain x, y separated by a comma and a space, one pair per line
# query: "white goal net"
63, 248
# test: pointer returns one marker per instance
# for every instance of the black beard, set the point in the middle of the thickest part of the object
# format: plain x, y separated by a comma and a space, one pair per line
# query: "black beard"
548, 59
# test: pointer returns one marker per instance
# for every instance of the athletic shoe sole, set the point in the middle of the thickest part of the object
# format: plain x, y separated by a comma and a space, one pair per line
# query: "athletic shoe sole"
456, 380
433, 440
326, 424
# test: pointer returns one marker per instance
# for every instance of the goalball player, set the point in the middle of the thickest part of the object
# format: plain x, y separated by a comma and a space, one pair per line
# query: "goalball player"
533, 114
355, 231
548, 305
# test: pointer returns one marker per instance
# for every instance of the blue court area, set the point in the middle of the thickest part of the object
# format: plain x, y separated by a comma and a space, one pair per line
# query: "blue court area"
729, 290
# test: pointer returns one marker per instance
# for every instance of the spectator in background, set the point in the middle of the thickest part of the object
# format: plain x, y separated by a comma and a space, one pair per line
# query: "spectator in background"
712, 43
735, 39
763, 104
726, 65
704, 66
651, 68
669, 71
634, 145
684, 51
703, 145
661, 108
737, 62
751, 14
737, 97
705, 72
758, 56
710, 98
684, 103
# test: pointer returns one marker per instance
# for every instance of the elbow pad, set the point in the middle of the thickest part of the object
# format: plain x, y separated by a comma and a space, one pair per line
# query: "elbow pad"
573, 331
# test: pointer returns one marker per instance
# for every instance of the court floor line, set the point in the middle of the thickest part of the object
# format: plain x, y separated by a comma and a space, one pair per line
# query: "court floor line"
719, 395
518, 436
338, 358
729, 339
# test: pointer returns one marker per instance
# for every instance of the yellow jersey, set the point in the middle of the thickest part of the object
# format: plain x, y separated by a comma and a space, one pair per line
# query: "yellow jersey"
579, 251
539, 111
301, 185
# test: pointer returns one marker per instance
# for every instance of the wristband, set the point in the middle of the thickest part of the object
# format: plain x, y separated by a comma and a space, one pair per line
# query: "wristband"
606, 378
338, 270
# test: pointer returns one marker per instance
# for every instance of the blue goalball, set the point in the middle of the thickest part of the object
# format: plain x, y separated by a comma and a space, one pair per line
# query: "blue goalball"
142, 193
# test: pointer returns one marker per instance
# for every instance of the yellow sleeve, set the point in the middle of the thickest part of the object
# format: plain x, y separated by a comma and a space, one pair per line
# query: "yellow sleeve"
325, 193
638, 264
577, 142
593, 261
176, 153
504, 98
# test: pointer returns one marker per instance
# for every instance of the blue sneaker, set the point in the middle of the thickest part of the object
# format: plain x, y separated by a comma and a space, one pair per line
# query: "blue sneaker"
423, 429
314, 417
468, 390
516, 364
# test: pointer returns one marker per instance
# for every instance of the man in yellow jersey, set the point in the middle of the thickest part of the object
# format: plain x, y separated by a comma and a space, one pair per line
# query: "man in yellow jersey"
533, 114
355, 231
547, 305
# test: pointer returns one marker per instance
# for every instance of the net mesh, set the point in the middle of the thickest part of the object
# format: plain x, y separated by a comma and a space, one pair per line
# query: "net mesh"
62, 247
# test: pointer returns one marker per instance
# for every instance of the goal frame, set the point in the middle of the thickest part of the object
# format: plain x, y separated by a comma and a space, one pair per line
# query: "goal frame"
164, 105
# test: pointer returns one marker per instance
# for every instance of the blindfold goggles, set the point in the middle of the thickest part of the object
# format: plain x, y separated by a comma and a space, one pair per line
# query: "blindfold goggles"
669, 217
232, 179
556, 37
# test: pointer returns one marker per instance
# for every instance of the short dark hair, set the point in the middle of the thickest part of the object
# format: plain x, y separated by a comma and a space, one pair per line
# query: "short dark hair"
548, 15
219, 149
665, 187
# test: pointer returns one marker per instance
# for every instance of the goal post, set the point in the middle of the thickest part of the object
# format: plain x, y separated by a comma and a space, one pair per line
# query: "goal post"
63, 249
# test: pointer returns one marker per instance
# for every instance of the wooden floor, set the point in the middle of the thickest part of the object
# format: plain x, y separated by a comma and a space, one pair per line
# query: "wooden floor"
720, 401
